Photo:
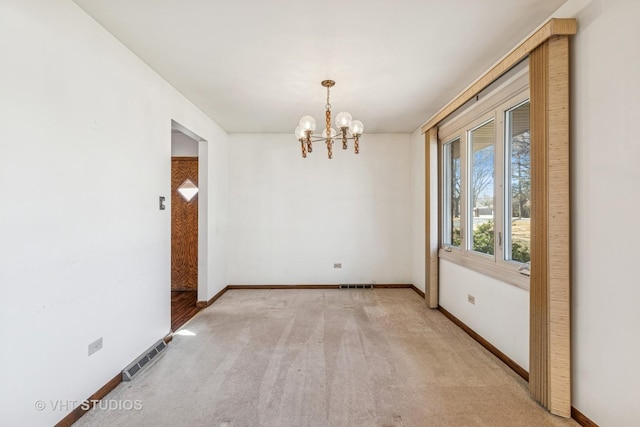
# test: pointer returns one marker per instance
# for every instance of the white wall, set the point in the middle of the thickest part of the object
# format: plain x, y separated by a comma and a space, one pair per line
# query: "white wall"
292, 218
500, 313
84, 250
183, 145
418, 193
606, 199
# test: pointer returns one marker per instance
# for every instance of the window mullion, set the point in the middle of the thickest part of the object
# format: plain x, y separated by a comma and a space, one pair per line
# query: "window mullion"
464, 187
499, 188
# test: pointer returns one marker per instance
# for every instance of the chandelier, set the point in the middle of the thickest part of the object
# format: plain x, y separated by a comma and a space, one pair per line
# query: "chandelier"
349, 129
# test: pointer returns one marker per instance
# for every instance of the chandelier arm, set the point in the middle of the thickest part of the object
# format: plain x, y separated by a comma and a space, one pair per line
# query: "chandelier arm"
323, 139
318, 139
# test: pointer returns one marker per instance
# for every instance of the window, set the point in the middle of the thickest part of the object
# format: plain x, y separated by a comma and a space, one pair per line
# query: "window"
486, 187
518, 209
482, 166
451, 235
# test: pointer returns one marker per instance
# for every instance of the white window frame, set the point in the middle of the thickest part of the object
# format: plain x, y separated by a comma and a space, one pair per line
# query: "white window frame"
507, 94
447, 230
467, 165
506, 208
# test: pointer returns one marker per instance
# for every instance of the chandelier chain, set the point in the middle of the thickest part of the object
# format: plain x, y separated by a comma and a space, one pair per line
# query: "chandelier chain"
329, 140
328, 105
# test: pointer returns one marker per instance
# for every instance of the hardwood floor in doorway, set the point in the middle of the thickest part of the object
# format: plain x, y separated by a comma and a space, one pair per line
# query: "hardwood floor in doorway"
183, 307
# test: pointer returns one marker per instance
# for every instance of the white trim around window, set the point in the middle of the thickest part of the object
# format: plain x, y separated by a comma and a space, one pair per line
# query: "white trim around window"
511, 92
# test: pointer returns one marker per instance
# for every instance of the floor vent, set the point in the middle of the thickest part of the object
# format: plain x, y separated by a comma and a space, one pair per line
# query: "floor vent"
356, 286
143, 360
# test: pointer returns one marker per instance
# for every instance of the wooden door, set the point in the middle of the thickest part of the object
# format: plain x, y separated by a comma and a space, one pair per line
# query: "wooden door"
184, 223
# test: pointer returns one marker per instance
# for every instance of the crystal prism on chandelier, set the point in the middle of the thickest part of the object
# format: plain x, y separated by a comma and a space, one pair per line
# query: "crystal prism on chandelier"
349, 129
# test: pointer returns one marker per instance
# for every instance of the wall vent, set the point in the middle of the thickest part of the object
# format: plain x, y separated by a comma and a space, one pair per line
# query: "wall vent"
143, 360
356, 286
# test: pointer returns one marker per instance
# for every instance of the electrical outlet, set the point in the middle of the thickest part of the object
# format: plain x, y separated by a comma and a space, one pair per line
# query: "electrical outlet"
95, 346
471, 299
337, 265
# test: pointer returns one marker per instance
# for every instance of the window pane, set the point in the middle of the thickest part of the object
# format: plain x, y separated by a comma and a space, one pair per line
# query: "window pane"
519, 188
452, 171
482, 196
188, 190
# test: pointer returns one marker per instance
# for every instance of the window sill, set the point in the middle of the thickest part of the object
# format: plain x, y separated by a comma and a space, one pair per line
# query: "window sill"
499, 271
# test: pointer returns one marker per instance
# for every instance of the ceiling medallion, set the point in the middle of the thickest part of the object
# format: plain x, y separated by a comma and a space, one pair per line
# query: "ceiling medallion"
349, 129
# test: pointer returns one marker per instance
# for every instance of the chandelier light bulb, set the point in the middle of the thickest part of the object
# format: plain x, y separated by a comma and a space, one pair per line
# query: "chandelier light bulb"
300, 133
356, 128
343, 120
308, 123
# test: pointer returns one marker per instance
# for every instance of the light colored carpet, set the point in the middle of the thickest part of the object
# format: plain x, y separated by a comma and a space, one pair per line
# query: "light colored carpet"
324, 358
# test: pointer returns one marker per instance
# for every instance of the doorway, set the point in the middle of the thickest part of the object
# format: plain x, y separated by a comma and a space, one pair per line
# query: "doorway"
188, 223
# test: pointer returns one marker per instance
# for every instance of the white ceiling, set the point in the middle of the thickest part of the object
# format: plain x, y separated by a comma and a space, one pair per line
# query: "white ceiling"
255, 66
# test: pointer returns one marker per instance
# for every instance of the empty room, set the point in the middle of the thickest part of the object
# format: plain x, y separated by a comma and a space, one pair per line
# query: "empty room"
305, 213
